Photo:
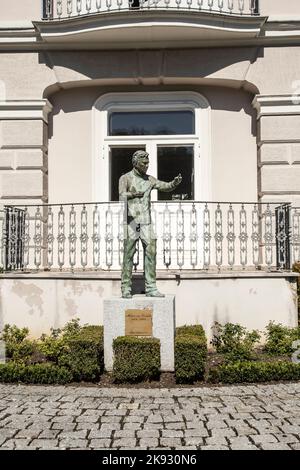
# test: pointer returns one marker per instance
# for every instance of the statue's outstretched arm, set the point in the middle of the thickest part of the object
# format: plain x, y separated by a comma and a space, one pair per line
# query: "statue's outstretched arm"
167, 187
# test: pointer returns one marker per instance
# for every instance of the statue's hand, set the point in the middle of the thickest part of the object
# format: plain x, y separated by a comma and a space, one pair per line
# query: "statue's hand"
137, 194
177, 180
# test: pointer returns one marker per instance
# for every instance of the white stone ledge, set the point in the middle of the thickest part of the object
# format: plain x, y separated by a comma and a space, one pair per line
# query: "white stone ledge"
25, 109
274, 105
173, 275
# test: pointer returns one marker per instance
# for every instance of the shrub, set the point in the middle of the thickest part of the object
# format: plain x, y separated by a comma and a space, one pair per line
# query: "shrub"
190, 356
34, 374
191, 330
280, 339
17, 346
234, 341
136, 359
239, 372
82, 353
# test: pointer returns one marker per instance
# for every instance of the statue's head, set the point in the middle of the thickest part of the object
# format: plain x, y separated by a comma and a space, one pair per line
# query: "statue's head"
140, 161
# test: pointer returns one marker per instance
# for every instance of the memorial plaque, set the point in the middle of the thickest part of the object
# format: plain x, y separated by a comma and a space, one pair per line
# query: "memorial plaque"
138, 322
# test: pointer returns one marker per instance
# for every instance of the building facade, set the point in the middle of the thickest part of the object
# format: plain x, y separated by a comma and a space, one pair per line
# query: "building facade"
211, 89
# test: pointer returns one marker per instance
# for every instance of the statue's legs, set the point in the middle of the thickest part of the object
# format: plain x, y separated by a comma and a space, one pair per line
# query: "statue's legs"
149, 245
126, 280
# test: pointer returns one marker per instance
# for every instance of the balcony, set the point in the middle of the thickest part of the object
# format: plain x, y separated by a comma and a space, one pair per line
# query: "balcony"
62, 9
147, 23
192, 236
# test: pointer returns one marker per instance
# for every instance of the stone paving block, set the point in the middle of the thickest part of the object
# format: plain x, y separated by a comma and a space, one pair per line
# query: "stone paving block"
124, 433
171, 433
264, 439
88, 426
243, 447
100, 434
28, 434
49, 434
72, 443
211, 424
125, 443
82, 434
194, 441
295, 446
150, 443
99, 443
216, 441
176, 426
64, 426
173, 442
223, 432
275, 446
215, 447
44, 443
146, 433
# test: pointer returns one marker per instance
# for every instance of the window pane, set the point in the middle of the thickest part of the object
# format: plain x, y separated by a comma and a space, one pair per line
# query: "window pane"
152, 123
170, 162
120, 163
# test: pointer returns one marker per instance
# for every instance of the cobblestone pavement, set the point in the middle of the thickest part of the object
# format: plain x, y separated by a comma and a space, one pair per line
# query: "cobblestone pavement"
235, 417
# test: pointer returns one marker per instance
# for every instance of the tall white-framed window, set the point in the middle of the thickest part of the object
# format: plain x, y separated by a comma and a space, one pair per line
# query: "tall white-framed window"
173, 127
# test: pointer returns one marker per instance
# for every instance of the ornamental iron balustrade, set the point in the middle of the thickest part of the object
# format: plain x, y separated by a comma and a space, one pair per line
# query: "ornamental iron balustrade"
62, 9
295, 234
191, 235
13, 230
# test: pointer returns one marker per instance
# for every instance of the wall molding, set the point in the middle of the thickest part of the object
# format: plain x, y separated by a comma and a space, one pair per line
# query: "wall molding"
25, 109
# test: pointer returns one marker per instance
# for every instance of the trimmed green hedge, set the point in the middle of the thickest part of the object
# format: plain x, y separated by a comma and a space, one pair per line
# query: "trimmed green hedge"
83, 354
191, 330
34, 374
190, 353
240, 372
136, 359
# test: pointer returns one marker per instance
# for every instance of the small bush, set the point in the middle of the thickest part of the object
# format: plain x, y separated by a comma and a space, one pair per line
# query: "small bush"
34, 374
82, 353
136, 359
17, 346
191, 330
190, 357
280, 339
240, 372
234, 341
78, 349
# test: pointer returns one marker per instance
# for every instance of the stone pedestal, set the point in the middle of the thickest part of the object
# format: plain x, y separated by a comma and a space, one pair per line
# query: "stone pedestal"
163, 325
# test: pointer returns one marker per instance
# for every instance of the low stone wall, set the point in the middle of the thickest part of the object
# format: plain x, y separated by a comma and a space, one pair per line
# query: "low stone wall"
46, 301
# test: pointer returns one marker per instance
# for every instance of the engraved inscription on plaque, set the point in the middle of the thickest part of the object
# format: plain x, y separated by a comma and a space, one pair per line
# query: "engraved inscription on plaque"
138, 322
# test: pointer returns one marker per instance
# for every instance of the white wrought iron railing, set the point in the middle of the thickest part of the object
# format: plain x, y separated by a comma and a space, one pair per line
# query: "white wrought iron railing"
190, 235
60, 9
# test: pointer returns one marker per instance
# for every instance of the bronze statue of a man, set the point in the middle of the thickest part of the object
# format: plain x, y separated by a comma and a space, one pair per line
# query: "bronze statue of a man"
135, 190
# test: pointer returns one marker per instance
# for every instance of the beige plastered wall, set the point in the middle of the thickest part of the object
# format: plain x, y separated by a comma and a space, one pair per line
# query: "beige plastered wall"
20, 10
229, 78
278, 7
71, 153
42, 304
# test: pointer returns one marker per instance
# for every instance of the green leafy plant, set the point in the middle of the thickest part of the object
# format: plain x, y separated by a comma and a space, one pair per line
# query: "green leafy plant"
234, 341
280, 338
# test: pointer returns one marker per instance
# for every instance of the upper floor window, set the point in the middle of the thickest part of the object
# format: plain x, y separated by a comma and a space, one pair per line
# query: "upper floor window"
152, 123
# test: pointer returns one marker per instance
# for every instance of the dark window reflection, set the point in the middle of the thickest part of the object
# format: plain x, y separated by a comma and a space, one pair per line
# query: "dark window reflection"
152, 123
170, 162
120, 163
